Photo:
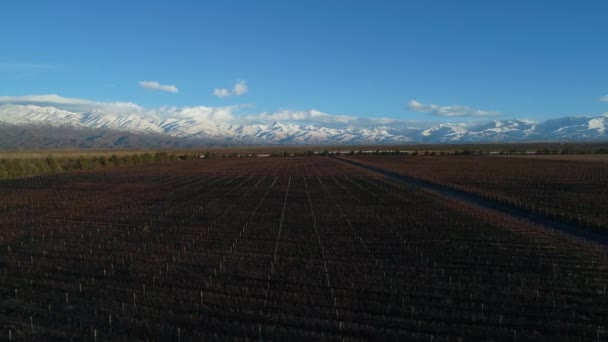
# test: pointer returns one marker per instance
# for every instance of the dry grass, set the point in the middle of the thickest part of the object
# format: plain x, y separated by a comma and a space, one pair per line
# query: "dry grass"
67, 154
602, 158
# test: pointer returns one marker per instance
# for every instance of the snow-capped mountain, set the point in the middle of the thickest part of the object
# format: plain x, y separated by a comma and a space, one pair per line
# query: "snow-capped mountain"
200, 129
445, 133
574, 128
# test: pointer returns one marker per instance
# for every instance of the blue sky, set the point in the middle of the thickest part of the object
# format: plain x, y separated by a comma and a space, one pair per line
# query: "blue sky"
405, 60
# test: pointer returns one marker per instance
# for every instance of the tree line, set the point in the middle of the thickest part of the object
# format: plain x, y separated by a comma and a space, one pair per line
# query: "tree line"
16, 168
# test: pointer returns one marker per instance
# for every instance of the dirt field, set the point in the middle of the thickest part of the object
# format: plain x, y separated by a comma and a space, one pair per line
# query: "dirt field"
567, 188
281, 249
599, 158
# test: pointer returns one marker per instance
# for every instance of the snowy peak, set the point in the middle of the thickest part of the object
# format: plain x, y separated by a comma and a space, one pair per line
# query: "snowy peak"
598, 124
34, 115
202, 129
574, 128
444, 132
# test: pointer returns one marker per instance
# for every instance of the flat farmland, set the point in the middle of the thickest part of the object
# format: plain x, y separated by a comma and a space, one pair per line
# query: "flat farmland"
299, 248
568, 188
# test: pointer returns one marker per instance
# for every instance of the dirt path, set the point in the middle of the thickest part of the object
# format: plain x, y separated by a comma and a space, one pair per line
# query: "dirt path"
472, 199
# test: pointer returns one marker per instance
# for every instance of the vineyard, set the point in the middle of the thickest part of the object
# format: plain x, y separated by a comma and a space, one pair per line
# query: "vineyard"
293, 248
571, 188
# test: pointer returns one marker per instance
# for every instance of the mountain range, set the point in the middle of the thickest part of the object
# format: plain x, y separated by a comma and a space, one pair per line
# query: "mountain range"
31, 126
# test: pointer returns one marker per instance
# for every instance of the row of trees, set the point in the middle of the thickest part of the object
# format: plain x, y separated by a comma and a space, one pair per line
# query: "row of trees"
15, 168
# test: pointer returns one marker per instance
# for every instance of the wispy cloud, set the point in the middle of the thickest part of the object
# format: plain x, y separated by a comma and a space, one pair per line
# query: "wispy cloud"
157, 86
213, 114
238, 89
311, 115
76, 105
24, 66
71, 104
221, 92
316, 117
604, 98
219, 115
449, 111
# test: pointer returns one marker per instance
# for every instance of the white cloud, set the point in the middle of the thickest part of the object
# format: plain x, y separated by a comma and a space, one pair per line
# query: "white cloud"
311, 115
71, 104
221, 92
157, 86
316, 117
449, 111
238, 89
43, 99
224, 115
215, 114
604, 98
